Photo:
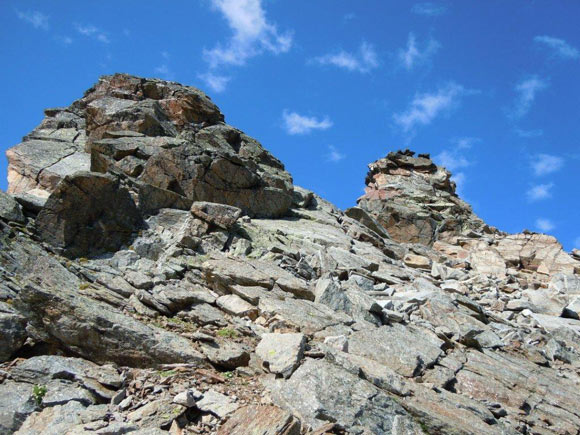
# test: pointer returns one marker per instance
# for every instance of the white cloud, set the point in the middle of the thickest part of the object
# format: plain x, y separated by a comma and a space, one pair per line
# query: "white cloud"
459, 179
65, 40
412, 56
455, 159
540, 191
299, 124
93, 32
527, 90
426, 107
560, 47
545, 225
529, 133
252, 34
364, 61
577, 243
36, 18
464, 143
216, 82
451, 160
544, 164
164, 72
428, 8
334, 155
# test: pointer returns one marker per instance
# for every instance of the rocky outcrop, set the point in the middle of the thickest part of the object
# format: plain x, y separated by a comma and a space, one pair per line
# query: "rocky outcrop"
183, 284
161, 137
415, 200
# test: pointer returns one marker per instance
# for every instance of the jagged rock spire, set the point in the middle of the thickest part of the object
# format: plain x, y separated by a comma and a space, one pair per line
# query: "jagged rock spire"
415, 200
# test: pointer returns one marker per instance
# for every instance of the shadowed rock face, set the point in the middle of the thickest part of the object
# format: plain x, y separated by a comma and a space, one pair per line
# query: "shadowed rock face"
231, 301
88, 213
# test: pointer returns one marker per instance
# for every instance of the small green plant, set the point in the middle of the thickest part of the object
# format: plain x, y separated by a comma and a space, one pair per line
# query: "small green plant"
167, 373
84, 285
38, 393
228, 375
227, 333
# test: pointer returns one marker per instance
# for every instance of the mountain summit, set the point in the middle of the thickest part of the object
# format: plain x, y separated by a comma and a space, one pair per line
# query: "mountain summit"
159, 271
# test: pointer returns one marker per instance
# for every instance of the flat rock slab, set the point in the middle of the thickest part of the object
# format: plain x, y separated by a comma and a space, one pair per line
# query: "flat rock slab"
227, 355
16, 404
281, 353
408, 351
40, 369
263, 420
217, 403
54, 420
223, 272
236, 306
221, 215
320, 392
308, 317
159, 413
95, 331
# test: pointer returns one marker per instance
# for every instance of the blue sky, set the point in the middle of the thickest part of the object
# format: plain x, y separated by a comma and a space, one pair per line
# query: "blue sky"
489, 88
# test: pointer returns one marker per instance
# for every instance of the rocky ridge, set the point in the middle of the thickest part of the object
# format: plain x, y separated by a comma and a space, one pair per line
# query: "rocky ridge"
160, 272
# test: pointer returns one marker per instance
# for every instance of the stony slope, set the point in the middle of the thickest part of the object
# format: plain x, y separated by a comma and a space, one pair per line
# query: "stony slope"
161, 272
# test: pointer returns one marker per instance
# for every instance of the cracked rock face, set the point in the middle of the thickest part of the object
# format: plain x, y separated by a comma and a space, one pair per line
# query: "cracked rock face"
159, 273
158, 136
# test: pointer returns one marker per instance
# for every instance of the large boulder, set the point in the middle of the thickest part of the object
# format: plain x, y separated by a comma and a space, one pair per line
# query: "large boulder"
10, 210
12, 331
87, 214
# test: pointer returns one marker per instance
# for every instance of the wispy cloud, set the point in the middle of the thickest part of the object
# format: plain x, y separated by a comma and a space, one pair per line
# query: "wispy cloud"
540, 191
65, 40
93, 32
527, 90
455, 158
36, 18
577, 242
413, 56
460, 180
426, 107
299, 124
429, 9
543, 164
252, 34
334, 155
164, 72
558, 46
544, 224
529, 133
363, 61
451, 160
216, 82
